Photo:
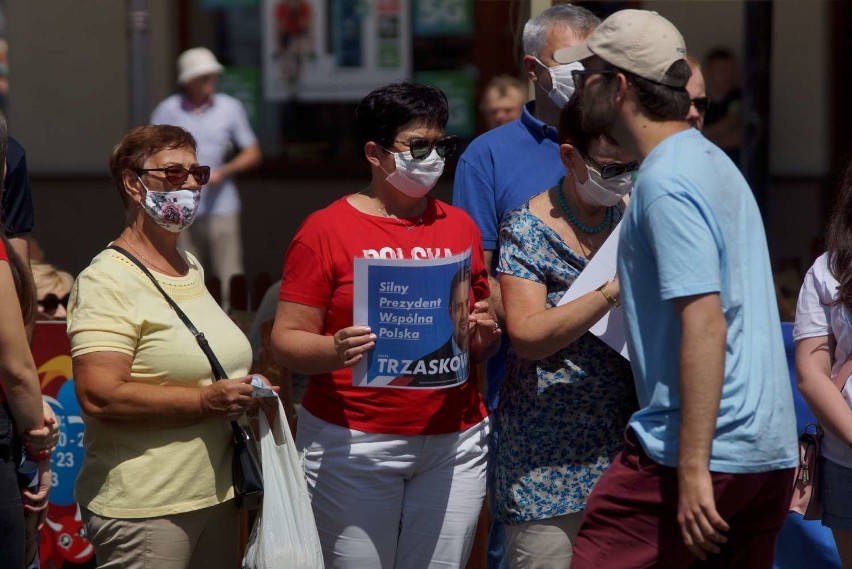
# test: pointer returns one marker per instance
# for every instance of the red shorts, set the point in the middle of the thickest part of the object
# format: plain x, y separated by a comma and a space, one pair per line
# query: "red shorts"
631, 516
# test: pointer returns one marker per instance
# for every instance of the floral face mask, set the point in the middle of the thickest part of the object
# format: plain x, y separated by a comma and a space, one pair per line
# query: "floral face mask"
174, 211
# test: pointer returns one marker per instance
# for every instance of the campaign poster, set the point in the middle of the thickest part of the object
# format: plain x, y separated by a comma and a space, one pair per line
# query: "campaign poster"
333, 50
63, 541
418, 310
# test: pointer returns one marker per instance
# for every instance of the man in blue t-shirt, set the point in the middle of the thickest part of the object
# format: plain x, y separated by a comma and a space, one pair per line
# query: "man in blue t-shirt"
508, 165
707, 468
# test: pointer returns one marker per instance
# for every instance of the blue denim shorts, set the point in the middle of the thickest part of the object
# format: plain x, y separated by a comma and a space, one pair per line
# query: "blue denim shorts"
836, 495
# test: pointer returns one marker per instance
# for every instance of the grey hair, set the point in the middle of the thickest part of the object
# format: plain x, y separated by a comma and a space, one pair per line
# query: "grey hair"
580, 20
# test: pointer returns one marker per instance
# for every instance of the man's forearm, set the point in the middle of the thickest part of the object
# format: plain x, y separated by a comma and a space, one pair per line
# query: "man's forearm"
248, 158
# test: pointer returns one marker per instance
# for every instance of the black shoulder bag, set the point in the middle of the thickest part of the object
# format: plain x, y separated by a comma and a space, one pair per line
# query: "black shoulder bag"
248, 477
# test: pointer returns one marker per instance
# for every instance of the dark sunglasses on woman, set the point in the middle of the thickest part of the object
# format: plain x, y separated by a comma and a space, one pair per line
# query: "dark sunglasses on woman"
51, 302
608, 171
421, 147
177, 175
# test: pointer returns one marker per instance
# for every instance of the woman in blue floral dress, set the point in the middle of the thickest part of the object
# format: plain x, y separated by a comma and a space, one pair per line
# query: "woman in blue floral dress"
567, 395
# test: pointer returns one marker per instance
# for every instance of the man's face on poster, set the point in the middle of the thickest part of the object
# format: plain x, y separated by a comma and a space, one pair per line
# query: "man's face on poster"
460, 309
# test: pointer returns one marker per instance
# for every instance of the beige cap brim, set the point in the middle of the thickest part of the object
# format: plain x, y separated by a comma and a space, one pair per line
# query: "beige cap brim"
572, 54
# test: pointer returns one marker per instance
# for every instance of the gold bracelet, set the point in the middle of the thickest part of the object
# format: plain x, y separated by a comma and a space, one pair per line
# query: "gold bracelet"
611, 300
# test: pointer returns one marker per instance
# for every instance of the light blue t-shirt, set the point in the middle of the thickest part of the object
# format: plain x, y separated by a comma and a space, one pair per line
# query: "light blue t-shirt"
693, 227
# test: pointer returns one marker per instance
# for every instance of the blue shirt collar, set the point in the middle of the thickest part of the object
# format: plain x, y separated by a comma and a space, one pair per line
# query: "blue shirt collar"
537, 128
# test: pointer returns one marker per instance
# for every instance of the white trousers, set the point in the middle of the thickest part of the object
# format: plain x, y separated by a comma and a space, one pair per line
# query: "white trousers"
393, 501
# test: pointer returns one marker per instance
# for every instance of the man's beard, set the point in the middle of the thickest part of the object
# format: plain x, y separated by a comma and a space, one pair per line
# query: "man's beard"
597, 114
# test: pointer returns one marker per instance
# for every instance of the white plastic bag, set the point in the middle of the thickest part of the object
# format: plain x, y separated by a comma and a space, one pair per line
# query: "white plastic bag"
284, 535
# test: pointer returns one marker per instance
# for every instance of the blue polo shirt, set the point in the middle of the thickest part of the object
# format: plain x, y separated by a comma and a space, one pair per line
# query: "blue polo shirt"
499, 171
693, 228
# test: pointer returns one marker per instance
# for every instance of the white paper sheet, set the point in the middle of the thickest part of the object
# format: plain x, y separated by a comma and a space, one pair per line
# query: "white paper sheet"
600, 269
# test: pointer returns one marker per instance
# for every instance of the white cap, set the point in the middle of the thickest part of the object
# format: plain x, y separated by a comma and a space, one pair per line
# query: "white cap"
196, 62
638, 41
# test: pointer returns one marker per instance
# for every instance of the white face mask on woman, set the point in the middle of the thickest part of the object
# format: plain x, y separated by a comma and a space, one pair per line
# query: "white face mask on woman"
562, 82
597, 191
174, 211
415, 177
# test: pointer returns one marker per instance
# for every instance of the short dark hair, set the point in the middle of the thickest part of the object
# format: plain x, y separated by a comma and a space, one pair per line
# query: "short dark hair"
462, 275
385, 110
570, 129
141, 143
660, 102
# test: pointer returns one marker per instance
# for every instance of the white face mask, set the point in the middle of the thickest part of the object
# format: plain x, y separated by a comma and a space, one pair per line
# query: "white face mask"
414, 177
174, 211
597, 191
562, 82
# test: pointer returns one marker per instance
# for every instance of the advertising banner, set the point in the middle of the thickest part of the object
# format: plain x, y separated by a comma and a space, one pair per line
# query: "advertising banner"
418, 310
63, 537
333, 50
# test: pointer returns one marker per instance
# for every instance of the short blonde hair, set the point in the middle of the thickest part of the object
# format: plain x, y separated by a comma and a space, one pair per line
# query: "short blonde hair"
48, 279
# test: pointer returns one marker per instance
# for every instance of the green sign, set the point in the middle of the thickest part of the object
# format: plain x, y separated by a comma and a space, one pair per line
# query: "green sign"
458, 86
443, 17
243, 83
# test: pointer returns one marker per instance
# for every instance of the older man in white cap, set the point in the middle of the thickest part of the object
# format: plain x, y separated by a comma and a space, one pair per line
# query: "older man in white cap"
707, 468
220, 125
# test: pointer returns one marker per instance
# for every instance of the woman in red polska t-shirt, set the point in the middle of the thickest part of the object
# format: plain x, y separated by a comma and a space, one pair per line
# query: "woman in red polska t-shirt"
395, 474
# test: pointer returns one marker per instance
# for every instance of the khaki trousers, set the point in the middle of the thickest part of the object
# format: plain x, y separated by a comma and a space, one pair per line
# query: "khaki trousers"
543, 544
216, 241
203, 539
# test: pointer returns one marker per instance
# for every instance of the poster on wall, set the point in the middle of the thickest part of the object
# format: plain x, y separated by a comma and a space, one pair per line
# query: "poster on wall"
63, 541
333, 50
443, 18
459, 88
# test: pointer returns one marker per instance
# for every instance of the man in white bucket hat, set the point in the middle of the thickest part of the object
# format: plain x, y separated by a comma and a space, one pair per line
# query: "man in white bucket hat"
220, 126
707, 467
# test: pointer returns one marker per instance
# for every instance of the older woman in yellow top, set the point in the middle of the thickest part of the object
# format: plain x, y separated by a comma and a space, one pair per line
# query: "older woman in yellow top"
155, 486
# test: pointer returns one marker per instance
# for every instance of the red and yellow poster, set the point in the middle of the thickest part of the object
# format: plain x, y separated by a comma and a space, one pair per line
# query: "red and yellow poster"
63, 537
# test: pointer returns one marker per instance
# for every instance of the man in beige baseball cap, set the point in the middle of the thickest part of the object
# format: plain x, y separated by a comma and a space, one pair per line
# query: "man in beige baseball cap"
707, 467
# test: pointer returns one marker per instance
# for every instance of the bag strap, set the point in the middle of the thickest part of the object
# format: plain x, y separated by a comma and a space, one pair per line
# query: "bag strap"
218, 371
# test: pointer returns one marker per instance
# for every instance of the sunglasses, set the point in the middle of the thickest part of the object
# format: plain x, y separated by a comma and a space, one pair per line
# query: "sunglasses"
701, 104
608, 171
51, 302
421, 148
177, 175
579, 75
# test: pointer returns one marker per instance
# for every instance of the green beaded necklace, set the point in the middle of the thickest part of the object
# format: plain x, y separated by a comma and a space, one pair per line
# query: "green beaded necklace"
563, 203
